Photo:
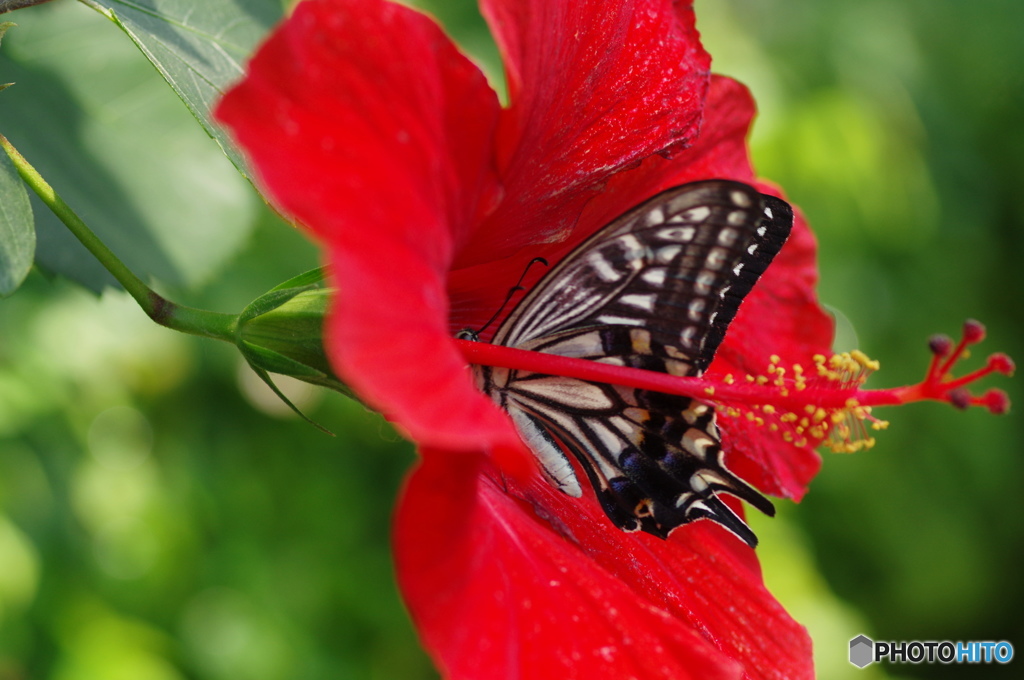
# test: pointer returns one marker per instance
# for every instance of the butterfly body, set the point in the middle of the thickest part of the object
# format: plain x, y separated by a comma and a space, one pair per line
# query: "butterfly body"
656, 289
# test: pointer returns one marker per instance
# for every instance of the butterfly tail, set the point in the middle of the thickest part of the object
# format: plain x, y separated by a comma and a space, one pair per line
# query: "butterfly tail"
713, 508
720, 480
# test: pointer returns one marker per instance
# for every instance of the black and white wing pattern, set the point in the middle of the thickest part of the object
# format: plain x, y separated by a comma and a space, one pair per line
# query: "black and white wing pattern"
655, 289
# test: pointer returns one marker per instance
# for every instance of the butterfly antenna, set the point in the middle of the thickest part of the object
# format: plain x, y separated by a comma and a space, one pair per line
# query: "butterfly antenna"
512, 291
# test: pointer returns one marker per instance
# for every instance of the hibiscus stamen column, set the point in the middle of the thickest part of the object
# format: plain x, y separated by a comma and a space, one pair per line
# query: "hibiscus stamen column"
829, 406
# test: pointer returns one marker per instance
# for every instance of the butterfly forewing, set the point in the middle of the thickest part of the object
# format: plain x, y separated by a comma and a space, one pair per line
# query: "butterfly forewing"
655, 289
769, 237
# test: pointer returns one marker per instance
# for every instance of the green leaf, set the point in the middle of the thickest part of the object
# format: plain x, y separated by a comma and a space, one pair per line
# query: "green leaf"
17, 231
92, 116
11, 5
3, 29
199, 48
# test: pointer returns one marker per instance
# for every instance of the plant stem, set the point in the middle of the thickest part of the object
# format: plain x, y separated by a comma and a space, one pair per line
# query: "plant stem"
158, 308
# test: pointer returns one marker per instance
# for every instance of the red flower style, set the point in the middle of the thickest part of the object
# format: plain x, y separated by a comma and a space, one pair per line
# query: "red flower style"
367, 125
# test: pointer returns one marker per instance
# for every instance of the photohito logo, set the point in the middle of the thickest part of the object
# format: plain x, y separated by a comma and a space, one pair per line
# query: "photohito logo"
864, 650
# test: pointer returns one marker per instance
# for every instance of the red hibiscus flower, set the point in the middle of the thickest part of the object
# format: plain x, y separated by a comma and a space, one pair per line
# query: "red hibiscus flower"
366, 124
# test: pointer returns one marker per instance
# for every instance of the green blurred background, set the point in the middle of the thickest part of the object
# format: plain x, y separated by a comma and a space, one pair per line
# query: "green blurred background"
162, 517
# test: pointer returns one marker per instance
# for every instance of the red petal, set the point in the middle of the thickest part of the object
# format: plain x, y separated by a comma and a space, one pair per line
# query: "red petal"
773, 465
720, 151
525, 582
594, 87
366, 124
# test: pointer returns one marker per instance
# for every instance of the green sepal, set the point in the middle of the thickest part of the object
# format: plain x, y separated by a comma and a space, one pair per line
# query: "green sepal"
313, 276
281, 332
265, 377
274, 362
282, 293
270, 301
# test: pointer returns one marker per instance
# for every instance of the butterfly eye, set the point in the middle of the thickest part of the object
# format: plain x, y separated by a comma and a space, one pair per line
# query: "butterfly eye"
468, 334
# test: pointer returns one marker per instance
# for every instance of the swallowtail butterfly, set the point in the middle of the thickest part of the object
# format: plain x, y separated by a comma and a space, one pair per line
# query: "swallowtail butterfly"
655, 289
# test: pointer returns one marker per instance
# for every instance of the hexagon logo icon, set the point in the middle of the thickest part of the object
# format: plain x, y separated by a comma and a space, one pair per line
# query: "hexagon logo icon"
861, 651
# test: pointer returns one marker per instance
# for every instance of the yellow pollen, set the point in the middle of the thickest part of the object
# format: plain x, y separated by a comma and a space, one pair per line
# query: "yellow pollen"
842, 429
865, 361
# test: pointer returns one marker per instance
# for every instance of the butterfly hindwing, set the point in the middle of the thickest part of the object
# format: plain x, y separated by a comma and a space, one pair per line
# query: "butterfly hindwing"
650, 470
655, 289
